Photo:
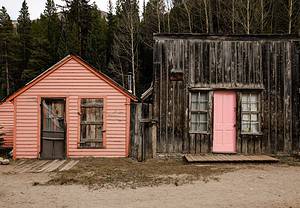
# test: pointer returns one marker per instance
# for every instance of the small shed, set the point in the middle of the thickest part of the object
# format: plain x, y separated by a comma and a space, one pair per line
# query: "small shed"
226, 93
70, 110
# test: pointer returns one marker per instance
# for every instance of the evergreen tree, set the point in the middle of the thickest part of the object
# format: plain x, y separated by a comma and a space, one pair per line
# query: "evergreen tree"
7, 40
40, 58
51, 24
97, 40
24, 32
111, 26
78, 26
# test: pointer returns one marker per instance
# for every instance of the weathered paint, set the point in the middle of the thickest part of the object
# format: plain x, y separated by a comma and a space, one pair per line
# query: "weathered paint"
224, 138
72, 80
7, 122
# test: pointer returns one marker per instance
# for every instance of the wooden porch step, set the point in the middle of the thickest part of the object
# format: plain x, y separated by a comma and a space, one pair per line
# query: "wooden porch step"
212, 158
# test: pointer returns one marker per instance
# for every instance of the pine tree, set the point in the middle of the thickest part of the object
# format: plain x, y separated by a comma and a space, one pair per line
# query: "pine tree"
111, 26
51, 23
40, 58
97, 40
78, 26
24, 32
6, 53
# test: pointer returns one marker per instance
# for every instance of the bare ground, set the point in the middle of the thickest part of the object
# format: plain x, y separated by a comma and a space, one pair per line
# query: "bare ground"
156, 183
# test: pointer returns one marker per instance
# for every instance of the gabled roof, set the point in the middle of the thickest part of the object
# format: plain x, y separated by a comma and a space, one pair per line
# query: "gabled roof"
62, 62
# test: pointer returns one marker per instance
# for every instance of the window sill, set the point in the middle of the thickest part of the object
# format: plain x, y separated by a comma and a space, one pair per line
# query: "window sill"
102, 147
253, 134
200, 132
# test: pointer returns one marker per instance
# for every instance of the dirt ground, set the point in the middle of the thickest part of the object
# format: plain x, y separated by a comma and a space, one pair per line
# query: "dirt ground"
156, 183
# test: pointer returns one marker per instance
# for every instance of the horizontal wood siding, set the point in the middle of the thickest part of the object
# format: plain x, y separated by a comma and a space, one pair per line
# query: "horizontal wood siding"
267, 66
73, 82
7, 122
27, 126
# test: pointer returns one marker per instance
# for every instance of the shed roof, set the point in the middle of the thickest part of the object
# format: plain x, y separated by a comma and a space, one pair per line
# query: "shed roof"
99, 74
240, 37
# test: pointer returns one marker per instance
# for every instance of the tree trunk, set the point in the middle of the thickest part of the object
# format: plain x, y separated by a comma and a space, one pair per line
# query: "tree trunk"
211, 6
290, 15
6, 70
206, 16
262, 16
248, 17
158, 14
132, 51
188, 15
233, 17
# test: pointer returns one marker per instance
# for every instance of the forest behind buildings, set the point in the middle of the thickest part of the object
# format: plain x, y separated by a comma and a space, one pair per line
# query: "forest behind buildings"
119, 42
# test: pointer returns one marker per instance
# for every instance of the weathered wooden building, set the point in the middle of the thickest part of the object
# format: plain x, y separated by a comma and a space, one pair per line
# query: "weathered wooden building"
70, 110
226, 94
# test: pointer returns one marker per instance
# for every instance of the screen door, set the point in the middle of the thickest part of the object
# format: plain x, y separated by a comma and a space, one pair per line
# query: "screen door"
53, 128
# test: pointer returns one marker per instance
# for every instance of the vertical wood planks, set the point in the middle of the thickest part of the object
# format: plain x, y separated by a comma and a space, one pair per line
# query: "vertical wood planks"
265, 66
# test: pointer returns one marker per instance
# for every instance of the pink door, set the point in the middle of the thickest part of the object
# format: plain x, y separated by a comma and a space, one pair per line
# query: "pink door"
224, 136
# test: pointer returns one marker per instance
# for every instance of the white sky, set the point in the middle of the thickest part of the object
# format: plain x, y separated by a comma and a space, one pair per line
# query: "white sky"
36, 7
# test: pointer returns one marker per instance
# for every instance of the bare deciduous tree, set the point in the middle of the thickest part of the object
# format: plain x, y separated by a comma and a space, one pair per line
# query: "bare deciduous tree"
188, 13
126, 41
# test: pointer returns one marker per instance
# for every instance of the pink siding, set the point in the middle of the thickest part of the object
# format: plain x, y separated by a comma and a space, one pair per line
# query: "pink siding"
72, 81
7, 121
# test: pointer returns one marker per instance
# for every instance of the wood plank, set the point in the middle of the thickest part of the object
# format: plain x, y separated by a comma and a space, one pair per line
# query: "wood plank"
44, 168
229, 158
55, 166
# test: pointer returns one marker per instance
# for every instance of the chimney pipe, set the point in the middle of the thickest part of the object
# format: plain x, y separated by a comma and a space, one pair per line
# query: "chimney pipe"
129, 84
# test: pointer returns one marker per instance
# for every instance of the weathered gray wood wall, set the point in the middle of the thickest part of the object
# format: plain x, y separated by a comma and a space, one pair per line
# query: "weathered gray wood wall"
266, 64
141, 132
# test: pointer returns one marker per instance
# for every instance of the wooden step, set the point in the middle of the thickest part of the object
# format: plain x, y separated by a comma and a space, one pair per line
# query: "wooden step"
229, 158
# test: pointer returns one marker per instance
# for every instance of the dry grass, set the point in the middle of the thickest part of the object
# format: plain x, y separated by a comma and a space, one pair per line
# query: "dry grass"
290, 160
127, 173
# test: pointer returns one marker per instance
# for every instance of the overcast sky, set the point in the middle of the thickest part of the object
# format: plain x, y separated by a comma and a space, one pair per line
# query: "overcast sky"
36, 7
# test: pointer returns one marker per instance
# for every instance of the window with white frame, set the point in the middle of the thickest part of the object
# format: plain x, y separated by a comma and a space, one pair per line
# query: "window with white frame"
199, 112
250, 113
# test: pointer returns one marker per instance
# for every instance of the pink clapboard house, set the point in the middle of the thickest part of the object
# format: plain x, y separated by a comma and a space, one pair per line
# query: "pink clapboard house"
70, 110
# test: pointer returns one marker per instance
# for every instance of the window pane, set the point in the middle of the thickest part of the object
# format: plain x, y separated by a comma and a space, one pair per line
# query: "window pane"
195, 117
203, 117
254, 98
194, 105
254, 107
254, 127
199, 122
203, 127
203, 97
254, 117
245, 98
194, 97
245, 117
245, 107
194, 126
203, 106
246, 127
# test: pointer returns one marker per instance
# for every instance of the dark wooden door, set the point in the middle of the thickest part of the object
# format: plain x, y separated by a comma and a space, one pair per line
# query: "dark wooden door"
53, 128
